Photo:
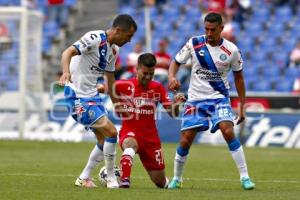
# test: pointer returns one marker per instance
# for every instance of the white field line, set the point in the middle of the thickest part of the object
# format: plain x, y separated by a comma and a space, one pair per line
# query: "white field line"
144, 177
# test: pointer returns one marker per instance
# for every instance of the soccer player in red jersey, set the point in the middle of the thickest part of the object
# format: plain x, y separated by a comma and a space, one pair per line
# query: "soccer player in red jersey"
139, 98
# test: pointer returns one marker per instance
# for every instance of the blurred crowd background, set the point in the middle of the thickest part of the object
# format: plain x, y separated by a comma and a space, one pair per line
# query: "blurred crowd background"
267, 33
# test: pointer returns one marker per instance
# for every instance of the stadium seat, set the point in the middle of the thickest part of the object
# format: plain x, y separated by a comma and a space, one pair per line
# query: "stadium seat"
70, 3
253, 28
4, 70
268, 44
283, 12
13, 85
271, 71
262, 86
250, 71
284, 86
292, 73
46, 46
193, 14
275, 28
127, 9
180, 2
51, 29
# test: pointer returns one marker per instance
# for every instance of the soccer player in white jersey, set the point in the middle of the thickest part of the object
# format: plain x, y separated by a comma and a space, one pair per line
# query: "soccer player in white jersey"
212, 58
83, 64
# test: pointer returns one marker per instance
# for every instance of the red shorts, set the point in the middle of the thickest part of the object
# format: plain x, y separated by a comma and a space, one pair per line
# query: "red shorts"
149, 150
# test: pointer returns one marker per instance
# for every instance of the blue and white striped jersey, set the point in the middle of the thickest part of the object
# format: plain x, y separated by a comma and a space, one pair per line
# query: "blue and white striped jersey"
95, 55
210, 66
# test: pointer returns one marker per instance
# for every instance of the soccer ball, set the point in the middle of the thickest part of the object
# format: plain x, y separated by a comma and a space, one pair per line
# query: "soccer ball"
102, 176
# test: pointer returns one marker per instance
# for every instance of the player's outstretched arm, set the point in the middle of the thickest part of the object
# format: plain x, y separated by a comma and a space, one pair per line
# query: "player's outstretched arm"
174, 84
240, 87
65, 64
110, 77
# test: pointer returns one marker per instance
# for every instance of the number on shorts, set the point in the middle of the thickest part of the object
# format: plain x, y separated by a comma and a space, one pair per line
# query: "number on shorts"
159, 157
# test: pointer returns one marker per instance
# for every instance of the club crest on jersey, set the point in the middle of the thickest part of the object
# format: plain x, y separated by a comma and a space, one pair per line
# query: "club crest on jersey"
223, 57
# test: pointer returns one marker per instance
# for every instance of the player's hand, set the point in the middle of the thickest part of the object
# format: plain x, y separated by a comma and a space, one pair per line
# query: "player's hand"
241, 116
120, 110
174, 84
65, 78
101, 88
179, 98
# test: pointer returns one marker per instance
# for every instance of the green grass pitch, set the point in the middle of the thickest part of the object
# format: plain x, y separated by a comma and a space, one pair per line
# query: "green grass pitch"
47, 170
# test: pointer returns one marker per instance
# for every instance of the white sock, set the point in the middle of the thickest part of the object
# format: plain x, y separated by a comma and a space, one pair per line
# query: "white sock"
179, 162
129, 151
240, 161
96, 156
109, 150
167, 182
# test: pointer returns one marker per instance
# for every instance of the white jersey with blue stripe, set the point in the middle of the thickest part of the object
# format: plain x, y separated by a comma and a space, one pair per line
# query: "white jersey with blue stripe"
95, 55
210, 67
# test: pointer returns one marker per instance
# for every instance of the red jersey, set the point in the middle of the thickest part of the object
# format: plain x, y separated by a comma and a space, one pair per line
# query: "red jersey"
141, 103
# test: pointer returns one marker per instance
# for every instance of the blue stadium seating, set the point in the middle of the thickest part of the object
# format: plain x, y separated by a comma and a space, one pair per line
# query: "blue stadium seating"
271, 71
265, 41
292, 73
284, 85
262, 86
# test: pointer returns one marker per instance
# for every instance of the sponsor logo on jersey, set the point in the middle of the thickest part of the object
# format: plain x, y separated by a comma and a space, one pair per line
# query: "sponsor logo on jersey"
84, 45
140, 101
139, 110
208, 75
225, 50
86, 41
102, 43
199, 45
96, 70
222, 64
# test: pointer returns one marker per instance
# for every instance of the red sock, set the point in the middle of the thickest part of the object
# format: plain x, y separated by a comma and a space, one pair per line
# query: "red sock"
125, 165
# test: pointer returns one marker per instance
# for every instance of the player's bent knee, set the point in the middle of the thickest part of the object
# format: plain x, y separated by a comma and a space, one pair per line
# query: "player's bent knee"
186, 142
112, 133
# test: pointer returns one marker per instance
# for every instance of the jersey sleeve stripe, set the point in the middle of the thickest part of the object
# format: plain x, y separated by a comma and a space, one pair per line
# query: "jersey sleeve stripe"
77, 48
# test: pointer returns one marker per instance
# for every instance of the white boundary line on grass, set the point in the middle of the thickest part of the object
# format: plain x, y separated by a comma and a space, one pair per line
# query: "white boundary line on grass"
143, 177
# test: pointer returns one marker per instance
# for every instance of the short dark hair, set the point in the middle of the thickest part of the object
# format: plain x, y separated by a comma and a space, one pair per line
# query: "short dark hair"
147, 60
213, 17
124, 21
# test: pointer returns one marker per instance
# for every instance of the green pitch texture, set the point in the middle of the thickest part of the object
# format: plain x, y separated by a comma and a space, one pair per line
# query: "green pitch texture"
47, 170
